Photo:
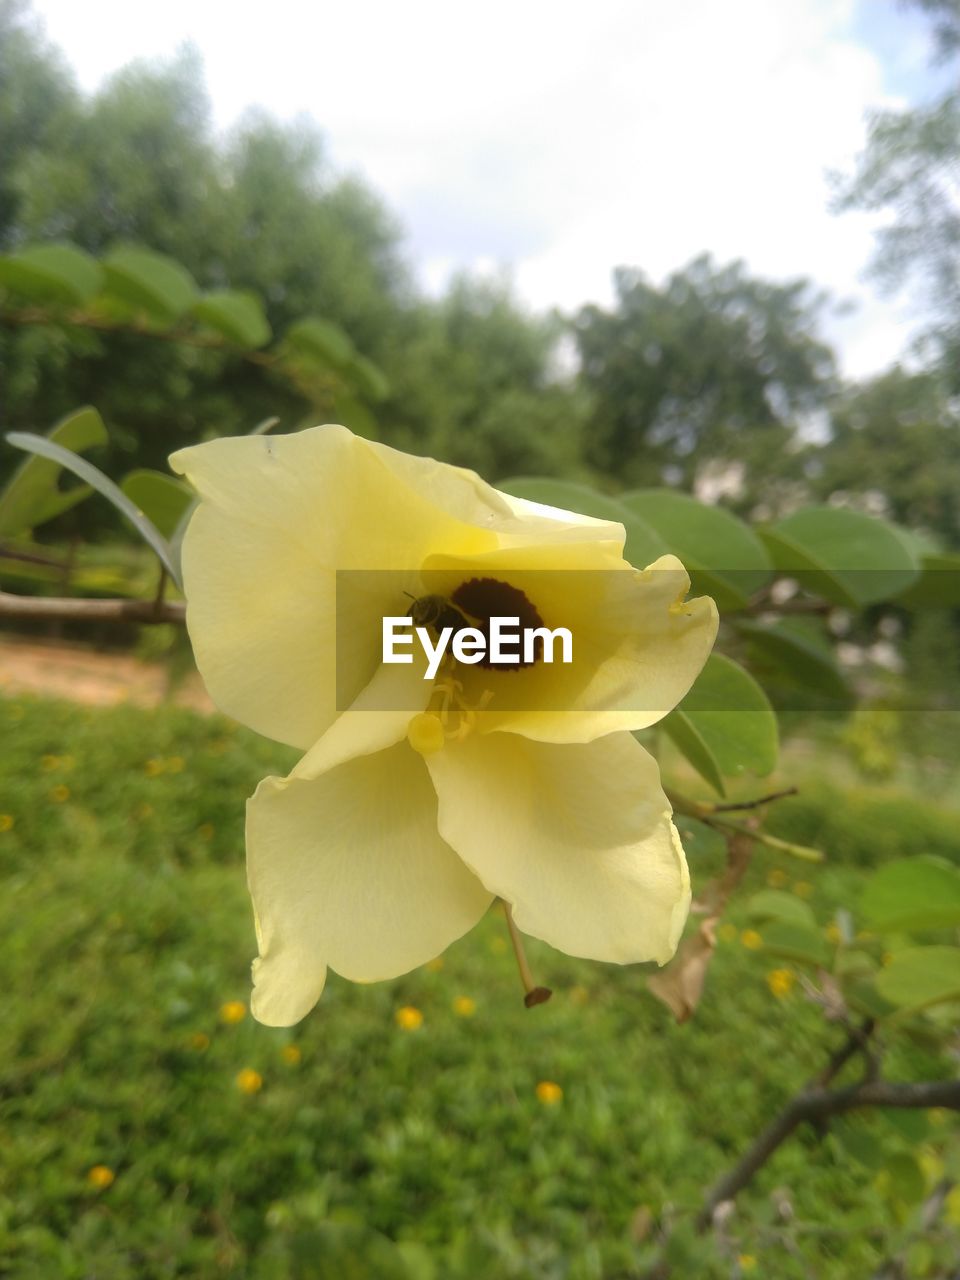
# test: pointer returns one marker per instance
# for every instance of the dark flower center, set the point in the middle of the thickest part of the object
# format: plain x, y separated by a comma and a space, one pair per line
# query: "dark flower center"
485, 598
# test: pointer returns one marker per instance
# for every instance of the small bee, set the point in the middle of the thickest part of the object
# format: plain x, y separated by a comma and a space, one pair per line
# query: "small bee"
436, 612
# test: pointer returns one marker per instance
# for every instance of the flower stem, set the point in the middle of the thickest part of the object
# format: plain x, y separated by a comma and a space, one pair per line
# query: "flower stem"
534, 994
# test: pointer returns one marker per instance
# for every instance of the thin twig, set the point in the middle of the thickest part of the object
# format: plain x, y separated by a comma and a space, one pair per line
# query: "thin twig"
755, 804
44, 608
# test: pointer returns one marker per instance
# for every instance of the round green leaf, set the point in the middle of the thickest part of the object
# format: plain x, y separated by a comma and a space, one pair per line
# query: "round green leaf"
150, 282
796, 656
844, 556
921, 976
938, 586
643, 544
725, 725
161, 498
238, 316
772, 904
724, 557
913, 893
368, 379
323, 340
52, 273
796, 942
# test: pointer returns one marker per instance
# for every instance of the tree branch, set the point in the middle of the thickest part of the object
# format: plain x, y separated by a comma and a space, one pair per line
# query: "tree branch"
66, 609
818, 1105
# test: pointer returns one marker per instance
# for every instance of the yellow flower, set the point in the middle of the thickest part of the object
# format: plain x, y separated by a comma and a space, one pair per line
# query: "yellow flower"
464, 1007
175, 764
747, 1262
408, 1018
200, 1041
549, 1093
780, 982
249, 1081
776, 878
434, 965
802, 888
6, 821
60, 794
233, 1011
291, 1054
833, 933
49, 763
100, 1177
153, 768
418, 801
751, 939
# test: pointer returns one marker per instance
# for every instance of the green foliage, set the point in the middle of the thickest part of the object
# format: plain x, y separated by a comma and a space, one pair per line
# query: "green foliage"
919, 977
33, 495
725, 725
712, 366
913, 894
127, 925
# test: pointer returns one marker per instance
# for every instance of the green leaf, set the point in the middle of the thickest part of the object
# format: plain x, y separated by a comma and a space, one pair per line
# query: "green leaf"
699, 841
860, 1141
921, 976
238, 316
725, 725
723, 556
913, 893
97, 480
796, 942
844, 556
644, 544
905, 1179
150, 282
32, 496
797, 657
52, 273
368, 379
772, 904
353, 413
323, 340
161, 498
938, 586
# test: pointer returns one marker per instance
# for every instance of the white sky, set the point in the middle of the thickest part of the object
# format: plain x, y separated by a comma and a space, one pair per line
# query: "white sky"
561, 138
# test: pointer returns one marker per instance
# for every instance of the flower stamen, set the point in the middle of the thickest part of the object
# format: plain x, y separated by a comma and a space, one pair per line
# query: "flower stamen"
534, 994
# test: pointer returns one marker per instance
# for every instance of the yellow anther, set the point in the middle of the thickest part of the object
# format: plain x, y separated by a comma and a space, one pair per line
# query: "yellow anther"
425, 733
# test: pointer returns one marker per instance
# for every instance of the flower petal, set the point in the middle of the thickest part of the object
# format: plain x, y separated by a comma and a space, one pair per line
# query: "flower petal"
348, 870
577, 838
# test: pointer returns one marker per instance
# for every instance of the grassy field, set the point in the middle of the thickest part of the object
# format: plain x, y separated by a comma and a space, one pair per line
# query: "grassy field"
152, 1129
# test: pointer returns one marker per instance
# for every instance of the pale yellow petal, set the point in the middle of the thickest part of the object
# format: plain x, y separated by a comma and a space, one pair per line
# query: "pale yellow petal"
638, 643
577, 838
348, 870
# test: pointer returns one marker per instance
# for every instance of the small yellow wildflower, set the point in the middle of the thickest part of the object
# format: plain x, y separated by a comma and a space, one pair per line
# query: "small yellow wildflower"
938, 1116
233, 1011
6, 821
206, 831
100, 1177
549, 1093
175, 764
464, 1007
249, 1081
59, 794
291, 1054
728, 932
200, 1041
49, 763
153, 768
434, 965
408, 1018
780, 982
802, 888
776, 878
751, 939
747, 1262
833, 933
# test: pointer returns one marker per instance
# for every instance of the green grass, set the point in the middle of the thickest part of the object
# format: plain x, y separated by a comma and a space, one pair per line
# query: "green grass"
126, 927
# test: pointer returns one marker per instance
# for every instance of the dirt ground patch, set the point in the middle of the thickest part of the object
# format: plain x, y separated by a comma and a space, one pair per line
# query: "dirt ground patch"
58, 670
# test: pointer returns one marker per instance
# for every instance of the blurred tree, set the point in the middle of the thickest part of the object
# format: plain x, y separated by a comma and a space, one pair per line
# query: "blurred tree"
908, 170
714, 367
477, 382
897, 435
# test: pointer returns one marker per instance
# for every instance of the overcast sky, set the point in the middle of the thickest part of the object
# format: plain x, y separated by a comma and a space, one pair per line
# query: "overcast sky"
561, 138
